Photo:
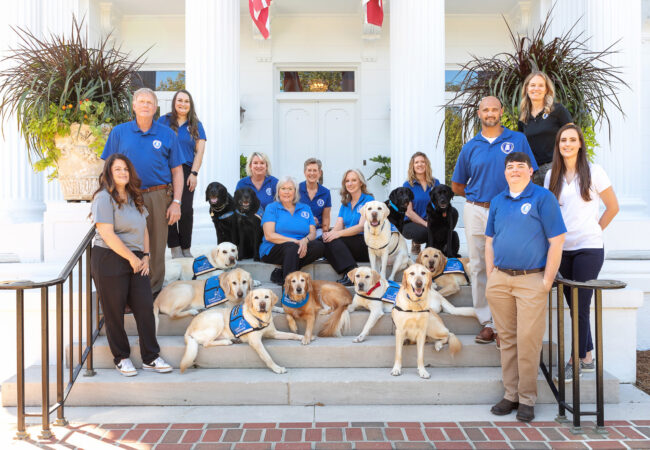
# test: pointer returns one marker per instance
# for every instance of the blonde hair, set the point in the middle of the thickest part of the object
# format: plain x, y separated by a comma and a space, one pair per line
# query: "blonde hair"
261, 156
345, 195
147, 91
428, 174
282, 182
525, 104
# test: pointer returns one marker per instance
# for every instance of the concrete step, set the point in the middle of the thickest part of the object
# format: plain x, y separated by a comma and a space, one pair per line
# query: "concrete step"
376, 351
371, 386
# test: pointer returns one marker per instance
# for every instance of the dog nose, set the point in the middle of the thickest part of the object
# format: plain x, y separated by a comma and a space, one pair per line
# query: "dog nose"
361, 286
418, 283
298, 289
262, 307
240, 293
232, 260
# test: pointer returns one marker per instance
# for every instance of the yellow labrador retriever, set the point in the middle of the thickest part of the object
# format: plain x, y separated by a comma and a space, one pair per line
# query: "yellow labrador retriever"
449, 280
415, 321
222, 257
369, 292
186, 298
384, 242
249, 322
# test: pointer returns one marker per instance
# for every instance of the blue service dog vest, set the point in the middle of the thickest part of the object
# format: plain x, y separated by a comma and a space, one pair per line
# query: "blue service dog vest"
293, 304
238, 325
454, 265
391, 293
213, 293
202, 265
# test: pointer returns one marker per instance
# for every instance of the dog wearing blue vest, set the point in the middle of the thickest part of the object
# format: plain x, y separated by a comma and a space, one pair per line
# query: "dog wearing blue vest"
248, 322
220, 258
384, 242
185, 298
415, 321
303, 299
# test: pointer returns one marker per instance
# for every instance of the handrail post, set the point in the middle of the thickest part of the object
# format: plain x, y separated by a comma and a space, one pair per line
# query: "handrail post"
561, 416
46, 433
60, 418
575, 338
89, 318
20, 365
600, 398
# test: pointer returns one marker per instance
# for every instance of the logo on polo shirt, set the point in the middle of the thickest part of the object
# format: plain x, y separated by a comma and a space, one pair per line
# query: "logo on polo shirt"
157, 144
358, 208
304, 215
320, 202
507, 147
525, 208
545, 115
268, 191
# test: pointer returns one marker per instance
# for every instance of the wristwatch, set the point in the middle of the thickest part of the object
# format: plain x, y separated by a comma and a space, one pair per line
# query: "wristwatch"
145, 254
177, 201
194, 172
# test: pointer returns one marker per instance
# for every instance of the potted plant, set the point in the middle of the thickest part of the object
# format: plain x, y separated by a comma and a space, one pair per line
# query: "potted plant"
66, 96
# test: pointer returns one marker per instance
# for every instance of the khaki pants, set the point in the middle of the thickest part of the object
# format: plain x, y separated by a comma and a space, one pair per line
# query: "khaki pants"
475, 220
157, 203
518, 305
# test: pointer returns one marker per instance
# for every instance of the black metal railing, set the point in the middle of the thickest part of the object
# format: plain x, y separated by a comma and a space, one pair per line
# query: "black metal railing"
560, 391
85, 317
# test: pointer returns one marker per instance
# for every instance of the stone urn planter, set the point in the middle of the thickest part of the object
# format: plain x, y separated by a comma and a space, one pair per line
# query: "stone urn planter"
78, 165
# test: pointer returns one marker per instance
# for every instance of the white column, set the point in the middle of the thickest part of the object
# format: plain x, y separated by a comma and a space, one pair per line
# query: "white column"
212, 76
565, 14
417, 84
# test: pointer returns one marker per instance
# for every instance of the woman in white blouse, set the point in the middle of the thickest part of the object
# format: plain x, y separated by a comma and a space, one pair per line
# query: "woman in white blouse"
579, 185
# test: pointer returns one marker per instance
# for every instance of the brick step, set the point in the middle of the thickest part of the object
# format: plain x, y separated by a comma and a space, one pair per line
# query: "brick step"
361, 386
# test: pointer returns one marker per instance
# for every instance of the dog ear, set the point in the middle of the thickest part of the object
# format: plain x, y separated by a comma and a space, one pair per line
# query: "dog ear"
274, 299
375, 277
287, 284
214, 254
224, 282
405, 277
418, 260
352, 273
248, 301
307, 282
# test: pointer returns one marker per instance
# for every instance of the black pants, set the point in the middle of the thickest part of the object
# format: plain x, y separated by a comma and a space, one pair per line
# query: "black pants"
344, 253
180, 234
416, 232
582, 265
287, 255
117, 286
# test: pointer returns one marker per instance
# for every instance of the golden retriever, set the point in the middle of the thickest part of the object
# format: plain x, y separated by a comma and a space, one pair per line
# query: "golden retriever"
383, 243
222, 257
185, 298
214, 328
369, 288
415, 321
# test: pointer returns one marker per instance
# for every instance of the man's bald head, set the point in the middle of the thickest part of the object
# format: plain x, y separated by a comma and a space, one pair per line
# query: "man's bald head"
490, 111
490, 100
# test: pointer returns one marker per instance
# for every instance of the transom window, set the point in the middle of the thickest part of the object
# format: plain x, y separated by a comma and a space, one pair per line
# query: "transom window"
317, 81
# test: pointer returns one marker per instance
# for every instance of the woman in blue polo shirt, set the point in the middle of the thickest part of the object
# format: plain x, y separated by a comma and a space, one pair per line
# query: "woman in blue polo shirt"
259, 178
344, 244
191, 140
289, 232
315, 195
420, 182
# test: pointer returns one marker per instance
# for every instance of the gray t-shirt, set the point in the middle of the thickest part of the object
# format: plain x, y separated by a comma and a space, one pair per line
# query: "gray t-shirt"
128, 223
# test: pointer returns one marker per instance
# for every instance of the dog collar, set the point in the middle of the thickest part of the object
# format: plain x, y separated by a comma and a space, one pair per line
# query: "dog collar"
369, 291
433, 206
218, 209
226, 215
286, 301
420, 298
410, 310
392, 205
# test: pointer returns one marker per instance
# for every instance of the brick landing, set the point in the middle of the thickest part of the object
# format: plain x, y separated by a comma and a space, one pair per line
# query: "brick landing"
340, 435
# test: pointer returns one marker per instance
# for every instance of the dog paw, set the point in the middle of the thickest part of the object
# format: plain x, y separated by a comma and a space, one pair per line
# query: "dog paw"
396, 372
359, 338
424, 374
279, 370
305, 341
438, 345
278, 310
235, 341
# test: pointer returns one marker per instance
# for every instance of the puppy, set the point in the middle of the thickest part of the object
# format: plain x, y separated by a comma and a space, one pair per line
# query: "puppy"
222, 209
415, 321
303, 298
383, 242
249, 322
369, 293
398, 201
186, 298
448, 279
247, 234
222, 257
442, 218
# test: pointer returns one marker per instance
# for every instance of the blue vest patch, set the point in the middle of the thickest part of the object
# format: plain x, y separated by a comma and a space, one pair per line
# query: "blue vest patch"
391, 293
293, 304
201, 265
237, 323
454, 265
213, 293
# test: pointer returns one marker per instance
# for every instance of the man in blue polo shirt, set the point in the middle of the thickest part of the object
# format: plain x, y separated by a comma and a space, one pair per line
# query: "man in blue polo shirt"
525, 234
478, 177
154, 151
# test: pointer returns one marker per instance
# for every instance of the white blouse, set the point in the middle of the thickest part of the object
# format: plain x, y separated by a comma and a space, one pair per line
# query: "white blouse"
581, 217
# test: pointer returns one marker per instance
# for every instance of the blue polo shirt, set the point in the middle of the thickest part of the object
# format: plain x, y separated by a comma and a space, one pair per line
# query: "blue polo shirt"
266, 194
420, 197
522, 226
481, 165
294, 225
351, 214
153, 153
321, 200
185, 139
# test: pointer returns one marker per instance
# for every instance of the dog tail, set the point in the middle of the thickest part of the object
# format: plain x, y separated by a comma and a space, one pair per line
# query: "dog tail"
337, 320
191, 350
454, 344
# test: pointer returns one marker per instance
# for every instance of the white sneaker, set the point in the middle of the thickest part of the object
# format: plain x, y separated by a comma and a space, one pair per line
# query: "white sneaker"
158, 365
126, 368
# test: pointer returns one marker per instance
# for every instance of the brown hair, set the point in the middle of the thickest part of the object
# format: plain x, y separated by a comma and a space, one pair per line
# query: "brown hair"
132, 188
345, 195
192, 118
558, 169
428, 174
525, 104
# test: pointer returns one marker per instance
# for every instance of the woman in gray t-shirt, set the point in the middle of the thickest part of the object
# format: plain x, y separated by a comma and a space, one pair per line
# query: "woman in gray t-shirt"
119, 264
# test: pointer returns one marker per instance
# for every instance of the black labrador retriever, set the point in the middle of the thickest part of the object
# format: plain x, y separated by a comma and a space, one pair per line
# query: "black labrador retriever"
398, 201
442, 218
222, 211
247, 235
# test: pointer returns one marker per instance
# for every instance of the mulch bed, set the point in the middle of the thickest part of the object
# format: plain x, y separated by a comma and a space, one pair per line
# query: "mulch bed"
643, 370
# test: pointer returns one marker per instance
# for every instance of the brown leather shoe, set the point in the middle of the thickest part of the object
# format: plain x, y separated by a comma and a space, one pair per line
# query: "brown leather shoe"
486, 336
504, 407
525, 413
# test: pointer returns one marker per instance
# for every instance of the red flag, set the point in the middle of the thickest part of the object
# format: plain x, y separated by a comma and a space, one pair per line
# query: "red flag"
374, 11
259, 10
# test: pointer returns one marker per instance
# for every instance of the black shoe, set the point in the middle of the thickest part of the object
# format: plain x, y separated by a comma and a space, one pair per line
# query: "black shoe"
525, 413
504, 407
276, 276
345, 281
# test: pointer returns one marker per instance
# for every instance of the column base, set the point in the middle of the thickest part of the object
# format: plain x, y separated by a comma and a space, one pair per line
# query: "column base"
64, 226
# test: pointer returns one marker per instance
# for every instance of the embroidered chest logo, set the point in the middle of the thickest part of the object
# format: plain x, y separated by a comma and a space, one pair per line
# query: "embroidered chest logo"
525, 208
157, 144
268, 191
304, 215
507, 147
358, 209
320, 202
545, 115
